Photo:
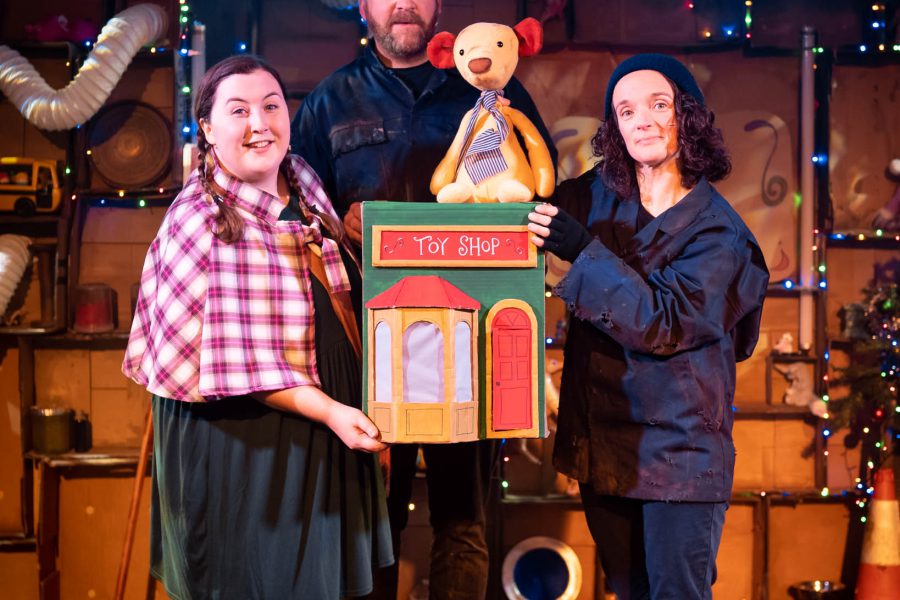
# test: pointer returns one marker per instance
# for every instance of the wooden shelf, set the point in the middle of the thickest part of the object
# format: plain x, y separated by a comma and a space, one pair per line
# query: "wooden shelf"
557, 499
29, 330
70, 340
792, 357
151, 197
38, 226
845, 344
737, 496
851, 240
791, 496
96, 458
17, 543
164, 56
777, 290
756, 410
32, 49
38, 219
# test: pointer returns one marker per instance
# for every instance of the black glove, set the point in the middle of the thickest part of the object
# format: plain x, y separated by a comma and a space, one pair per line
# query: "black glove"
567, 236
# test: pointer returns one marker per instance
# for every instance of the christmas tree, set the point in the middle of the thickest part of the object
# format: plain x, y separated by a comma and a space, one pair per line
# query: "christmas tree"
869, 408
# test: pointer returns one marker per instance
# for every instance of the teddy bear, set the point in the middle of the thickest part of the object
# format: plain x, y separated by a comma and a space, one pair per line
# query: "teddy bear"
485, 162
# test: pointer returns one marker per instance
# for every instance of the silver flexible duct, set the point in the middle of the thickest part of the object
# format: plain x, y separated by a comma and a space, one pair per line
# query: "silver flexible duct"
14, 259
119, 40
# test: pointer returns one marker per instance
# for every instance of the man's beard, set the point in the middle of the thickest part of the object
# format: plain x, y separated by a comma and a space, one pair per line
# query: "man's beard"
402, 46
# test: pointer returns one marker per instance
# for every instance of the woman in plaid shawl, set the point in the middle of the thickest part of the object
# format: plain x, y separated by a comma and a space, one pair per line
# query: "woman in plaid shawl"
264, 481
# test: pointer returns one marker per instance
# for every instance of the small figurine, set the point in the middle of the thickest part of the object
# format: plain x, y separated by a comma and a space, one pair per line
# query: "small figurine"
785, 345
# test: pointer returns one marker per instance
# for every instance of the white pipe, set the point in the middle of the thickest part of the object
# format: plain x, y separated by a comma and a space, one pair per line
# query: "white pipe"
119, 40
198, 56
807, 188
14, 259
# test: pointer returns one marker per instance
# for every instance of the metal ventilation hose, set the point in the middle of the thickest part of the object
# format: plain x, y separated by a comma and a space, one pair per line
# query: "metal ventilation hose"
119, 41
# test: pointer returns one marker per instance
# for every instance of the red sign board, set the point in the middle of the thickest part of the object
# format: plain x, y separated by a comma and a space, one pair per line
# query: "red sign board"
448, 246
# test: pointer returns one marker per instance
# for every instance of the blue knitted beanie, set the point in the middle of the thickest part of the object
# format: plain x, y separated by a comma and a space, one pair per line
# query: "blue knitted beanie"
668, 66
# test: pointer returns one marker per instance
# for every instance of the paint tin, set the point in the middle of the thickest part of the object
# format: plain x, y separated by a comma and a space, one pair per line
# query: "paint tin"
51, 430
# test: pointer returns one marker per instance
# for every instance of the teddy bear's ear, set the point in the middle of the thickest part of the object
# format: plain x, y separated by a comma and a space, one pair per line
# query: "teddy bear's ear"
531, 36
440, 50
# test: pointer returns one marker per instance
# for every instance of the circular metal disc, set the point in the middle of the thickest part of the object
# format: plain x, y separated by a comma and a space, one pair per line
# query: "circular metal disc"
131, 145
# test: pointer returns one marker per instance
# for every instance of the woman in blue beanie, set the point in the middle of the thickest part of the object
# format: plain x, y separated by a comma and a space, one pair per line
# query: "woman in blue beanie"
665, 295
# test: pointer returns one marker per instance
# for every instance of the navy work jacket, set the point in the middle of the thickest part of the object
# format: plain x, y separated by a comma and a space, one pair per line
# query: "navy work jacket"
658, 319
368, 138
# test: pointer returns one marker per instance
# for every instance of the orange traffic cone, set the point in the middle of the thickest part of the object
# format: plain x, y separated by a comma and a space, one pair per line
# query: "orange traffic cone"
879, 565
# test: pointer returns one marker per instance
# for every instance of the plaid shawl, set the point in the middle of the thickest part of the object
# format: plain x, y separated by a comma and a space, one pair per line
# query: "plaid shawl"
215, 320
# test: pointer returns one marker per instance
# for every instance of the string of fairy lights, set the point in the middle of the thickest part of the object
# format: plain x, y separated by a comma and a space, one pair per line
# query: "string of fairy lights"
183, 72
732, 29
737, 23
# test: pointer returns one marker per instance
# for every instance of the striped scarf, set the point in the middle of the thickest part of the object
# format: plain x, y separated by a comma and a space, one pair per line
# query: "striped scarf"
483, 158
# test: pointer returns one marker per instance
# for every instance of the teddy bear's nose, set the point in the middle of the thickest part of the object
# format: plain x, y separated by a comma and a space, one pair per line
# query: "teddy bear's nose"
479, 65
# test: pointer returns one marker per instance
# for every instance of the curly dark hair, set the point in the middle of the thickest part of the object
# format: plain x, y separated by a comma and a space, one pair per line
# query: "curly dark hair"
702, 149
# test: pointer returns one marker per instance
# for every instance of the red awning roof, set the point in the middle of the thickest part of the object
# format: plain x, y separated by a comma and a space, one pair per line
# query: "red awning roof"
423, 291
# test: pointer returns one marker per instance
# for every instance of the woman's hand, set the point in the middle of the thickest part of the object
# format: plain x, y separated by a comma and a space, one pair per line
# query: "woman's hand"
557, 231
540, 219
354, 428
350, 424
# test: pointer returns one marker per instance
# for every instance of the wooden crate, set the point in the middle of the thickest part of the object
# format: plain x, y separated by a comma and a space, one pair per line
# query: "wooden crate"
18, 572
93, 514
806, 538
772, 454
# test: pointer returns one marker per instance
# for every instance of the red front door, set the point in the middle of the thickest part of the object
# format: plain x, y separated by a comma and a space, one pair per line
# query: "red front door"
511, 370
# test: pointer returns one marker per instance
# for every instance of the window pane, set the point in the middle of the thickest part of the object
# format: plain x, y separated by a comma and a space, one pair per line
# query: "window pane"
423, 363
383, 376
463, 362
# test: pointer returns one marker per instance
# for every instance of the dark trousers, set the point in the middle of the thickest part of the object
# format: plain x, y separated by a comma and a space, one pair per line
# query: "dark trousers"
655, 550
458, 478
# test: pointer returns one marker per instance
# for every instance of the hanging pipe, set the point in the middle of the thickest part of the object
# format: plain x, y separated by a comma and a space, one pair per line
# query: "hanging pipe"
119, 40
807, 197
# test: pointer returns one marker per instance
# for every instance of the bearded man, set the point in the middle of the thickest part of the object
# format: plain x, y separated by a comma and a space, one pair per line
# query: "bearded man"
376, 129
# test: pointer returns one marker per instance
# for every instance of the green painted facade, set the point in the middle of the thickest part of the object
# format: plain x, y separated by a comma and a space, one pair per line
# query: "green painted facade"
487, 285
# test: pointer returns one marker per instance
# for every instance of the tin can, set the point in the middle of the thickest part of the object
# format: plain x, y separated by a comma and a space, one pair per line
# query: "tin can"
51, 430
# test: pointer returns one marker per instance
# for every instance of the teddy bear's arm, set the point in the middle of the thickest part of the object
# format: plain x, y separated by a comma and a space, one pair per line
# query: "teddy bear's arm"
445, 172
538, 154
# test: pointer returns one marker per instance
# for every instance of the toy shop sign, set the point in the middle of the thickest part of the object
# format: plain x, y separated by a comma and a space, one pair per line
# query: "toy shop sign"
453, 246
